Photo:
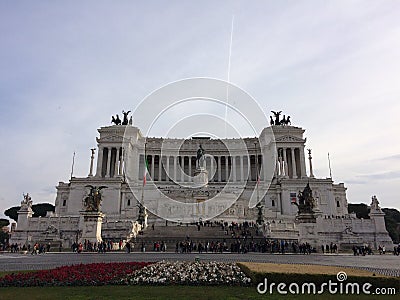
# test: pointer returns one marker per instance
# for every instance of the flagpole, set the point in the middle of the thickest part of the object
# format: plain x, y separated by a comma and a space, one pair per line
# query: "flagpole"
145, 173
229, 75
73, 162
330, 170
257, 174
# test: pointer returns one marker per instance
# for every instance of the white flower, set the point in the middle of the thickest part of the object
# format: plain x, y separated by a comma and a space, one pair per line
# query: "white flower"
165, 272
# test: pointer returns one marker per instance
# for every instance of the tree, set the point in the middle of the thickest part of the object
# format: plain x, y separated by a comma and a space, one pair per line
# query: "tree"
39, 210
3, 235
12, 212
360, 209
4, 222
392, 221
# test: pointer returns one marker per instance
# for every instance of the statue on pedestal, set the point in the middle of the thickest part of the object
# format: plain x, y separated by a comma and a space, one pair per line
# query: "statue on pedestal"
200, 157
375, 204
142, 215
277, 115
125, 121
285, 120
306, 201
116, 120
93, 200
27, 202
271, 121
260, 218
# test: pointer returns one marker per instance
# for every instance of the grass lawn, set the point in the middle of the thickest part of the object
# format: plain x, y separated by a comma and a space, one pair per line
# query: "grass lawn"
306, 269
155, 292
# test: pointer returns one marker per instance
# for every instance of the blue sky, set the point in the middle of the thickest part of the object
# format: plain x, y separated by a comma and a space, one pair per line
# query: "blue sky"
66, 67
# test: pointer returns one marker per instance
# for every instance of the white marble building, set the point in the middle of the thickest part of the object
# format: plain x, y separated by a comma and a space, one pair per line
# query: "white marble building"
233, 165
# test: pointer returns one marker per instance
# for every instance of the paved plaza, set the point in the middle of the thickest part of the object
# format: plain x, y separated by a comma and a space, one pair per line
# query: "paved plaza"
383, 264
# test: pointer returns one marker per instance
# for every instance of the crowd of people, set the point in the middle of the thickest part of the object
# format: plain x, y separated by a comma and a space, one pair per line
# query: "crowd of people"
100, 247
332, 248
37, 248
189, 246
362, 250
237, 245
240, 238
40, 248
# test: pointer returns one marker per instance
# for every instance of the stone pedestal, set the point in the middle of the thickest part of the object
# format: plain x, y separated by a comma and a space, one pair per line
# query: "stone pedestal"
306, 218
308, 233
381, 236
90, 225
142, 218
24, 215
200, 177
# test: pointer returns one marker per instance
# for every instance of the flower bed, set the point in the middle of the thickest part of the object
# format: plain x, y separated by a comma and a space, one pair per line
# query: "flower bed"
161, 273
189, 273
76, 275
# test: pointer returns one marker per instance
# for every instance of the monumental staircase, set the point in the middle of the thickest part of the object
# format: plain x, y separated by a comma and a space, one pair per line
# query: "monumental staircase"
173, 234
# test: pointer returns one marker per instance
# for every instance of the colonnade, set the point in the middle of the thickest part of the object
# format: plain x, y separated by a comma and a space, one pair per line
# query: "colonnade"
221, 168
111, 163
290, 163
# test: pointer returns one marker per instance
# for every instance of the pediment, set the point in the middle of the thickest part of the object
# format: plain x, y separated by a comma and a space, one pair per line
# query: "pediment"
289, 138
111, 138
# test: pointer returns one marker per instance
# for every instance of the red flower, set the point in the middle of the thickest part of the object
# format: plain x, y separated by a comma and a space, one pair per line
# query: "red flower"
82, 274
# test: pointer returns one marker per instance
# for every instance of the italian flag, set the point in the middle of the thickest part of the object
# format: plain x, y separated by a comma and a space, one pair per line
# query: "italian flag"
146, 167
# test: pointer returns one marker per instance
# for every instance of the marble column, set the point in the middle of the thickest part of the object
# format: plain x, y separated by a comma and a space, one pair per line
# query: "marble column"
175, 163
212, 168
302, 162
152, 167
121, 162
108, 171
226, 168
276, 172
167, 173
277, 168
310, 160
99, 161
91, 162
219, 168
159, 167
241, 168
249, 167
294, 169
183, 174
190, 169
285, 164
117, 154
234, 168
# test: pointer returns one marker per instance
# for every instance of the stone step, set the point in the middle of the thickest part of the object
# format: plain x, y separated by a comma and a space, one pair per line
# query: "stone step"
170, 235
192, 232
170, 242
